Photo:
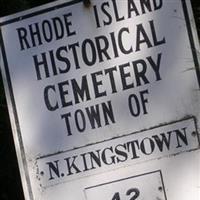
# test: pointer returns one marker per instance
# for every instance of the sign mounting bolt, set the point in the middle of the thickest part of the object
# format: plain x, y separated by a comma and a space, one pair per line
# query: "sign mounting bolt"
194, 133
87, 3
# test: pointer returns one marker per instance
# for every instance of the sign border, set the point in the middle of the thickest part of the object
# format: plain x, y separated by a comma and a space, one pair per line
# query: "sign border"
8, 82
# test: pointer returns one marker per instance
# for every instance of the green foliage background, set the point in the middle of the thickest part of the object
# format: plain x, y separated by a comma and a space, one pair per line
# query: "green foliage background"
10, 184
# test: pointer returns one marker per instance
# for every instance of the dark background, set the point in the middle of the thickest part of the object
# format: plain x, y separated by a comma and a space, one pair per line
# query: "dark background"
10, 183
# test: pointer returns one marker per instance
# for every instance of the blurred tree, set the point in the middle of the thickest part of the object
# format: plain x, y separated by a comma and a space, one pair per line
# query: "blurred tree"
196, 10
12, 6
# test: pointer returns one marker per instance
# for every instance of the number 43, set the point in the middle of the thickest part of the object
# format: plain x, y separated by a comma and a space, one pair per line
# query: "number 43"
133, 193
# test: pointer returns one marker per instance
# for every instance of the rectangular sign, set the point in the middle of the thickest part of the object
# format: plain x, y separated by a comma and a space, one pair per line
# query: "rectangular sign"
166, 140
146, 186
100, 93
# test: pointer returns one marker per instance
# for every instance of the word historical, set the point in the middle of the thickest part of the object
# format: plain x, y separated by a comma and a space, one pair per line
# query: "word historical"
78, 69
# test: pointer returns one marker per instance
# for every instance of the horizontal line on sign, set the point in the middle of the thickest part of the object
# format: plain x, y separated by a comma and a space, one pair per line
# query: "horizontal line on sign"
39, 12
136, 132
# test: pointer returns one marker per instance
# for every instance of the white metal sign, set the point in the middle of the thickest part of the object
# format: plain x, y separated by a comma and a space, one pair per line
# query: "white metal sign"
104, 101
